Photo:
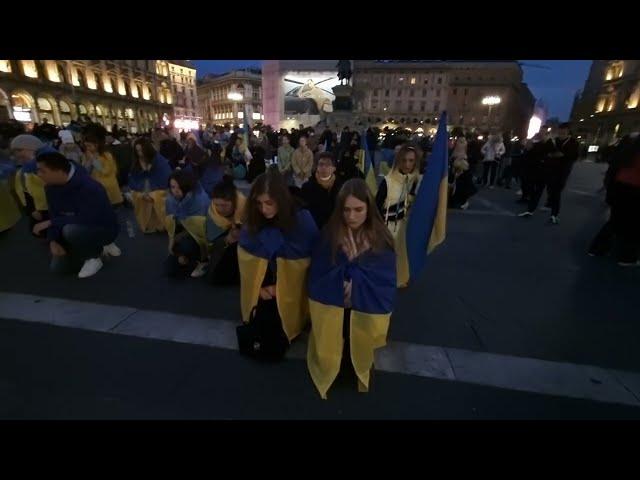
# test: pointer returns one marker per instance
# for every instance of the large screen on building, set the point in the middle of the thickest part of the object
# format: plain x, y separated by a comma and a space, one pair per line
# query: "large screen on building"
309, 92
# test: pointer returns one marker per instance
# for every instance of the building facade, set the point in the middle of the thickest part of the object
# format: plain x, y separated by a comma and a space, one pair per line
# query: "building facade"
609, 105
182, 75
478, 96
225, 98
133, 94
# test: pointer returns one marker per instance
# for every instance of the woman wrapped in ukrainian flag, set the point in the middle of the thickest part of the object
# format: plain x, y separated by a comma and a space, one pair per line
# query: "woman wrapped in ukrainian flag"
186, 208
224, 221
352, 288
148, 181
274, 253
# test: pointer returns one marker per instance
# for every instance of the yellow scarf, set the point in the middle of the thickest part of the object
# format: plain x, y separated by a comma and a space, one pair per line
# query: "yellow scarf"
224, 222
326, 184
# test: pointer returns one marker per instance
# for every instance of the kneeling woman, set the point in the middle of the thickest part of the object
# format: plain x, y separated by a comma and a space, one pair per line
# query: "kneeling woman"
352, 288
274, 252
224, 221
148, 183
185, 222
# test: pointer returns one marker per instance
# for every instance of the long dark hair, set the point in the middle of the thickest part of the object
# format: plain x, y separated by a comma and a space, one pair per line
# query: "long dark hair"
185, 179
273, 184
374, 229
148, 152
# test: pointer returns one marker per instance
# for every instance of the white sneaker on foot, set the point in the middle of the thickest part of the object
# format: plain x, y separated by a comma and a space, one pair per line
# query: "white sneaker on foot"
111, 249
554, 220
525, 214
200, 270
464, 206
90, 268
519, 192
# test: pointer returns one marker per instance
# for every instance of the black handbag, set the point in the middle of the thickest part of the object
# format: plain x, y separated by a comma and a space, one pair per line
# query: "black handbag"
263, 338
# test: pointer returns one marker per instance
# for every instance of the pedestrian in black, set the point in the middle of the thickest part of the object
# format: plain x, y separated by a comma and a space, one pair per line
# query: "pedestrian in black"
320, 191
623, 195
533, 178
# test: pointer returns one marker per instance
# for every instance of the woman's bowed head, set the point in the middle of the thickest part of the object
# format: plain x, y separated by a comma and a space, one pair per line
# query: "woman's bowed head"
356, 224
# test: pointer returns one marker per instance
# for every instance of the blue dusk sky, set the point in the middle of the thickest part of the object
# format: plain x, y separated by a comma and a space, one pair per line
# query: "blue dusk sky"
555, 85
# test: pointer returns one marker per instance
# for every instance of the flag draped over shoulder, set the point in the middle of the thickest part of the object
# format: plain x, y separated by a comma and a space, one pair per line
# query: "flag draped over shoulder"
366, 165
426, 226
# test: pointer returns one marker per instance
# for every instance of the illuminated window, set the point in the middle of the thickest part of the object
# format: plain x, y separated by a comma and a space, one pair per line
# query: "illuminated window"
600, 105
634, 99
44, 105
106, 85
29, 68
413, 80
5, 66
121, 88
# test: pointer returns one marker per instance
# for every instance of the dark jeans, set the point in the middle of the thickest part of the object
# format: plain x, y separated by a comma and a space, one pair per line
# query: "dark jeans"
623, 225
556, 181
185, 246
535, 187
81, 242
489, 170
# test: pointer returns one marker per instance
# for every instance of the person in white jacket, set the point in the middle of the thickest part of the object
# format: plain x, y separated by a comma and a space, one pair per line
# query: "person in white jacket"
492, 151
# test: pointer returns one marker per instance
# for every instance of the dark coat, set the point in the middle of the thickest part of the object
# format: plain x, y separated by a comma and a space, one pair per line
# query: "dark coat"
319, 200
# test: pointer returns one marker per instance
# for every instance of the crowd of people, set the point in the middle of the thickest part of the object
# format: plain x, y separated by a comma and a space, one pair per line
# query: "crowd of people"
310, 241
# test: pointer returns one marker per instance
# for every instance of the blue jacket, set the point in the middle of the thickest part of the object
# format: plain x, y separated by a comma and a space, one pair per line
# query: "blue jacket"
80, 201
158, 176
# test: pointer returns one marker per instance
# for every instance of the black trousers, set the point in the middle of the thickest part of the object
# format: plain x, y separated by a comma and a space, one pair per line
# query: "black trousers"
556, 181
623, 225
489, 171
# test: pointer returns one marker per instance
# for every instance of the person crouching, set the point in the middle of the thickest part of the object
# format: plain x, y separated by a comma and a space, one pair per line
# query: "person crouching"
82, 224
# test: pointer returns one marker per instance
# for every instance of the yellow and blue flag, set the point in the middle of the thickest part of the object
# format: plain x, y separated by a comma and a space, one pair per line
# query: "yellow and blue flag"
426, 226
366, 165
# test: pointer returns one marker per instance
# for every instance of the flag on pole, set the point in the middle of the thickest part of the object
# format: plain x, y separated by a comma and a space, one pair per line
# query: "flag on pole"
425, 228
366, 165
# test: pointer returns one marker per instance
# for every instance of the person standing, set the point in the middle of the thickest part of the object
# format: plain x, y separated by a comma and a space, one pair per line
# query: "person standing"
563, 152
301, 163
492, 152
533, 173
320, 191
285, 152
352, 289
623, 196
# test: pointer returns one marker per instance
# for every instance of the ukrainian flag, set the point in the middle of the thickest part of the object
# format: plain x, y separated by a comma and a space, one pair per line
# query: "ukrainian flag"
427, 222
366, 165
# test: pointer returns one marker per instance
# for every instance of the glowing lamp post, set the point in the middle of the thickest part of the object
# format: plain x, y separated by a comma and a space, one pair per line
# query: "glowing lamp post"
490, 101
236, 96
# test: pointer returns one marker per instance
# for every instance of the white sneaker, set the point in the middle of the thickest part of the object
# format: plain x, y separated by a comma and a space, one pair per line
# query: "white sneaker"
90, 268
525, 214
200, 270
554, 220
464, 206
519, 192
111, 249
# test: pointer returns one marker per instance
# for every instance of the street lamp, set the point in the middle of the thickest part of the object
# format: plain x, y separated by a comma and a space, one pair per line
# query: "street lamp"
490, 101
236, 96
